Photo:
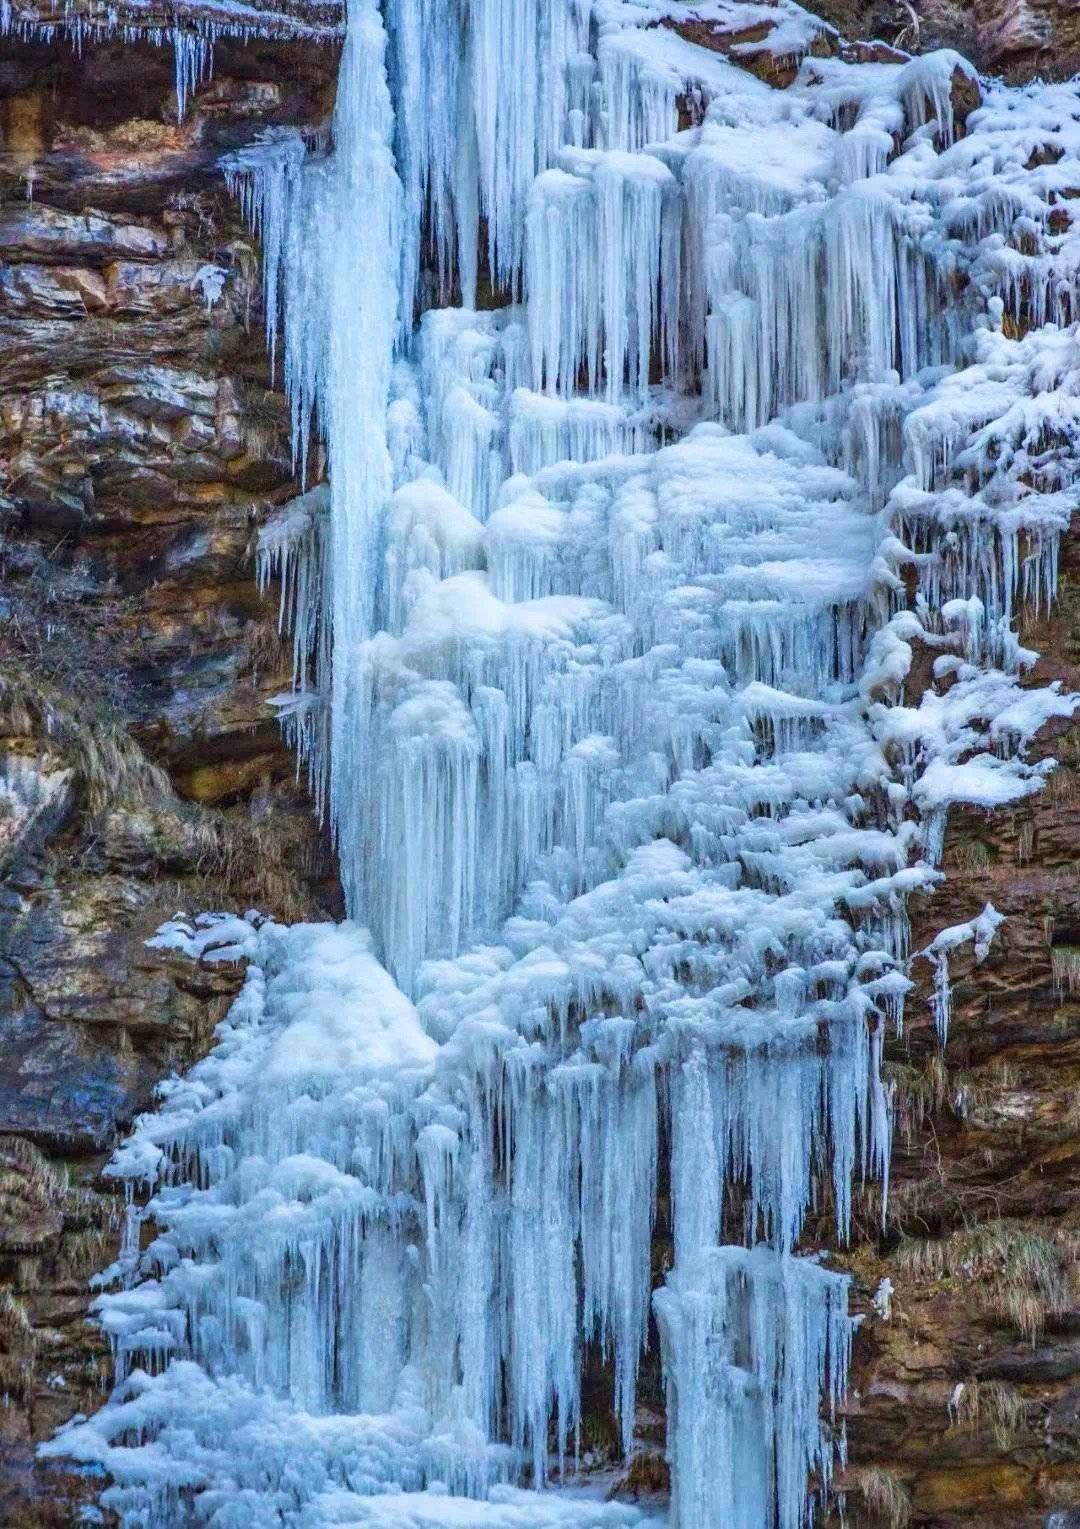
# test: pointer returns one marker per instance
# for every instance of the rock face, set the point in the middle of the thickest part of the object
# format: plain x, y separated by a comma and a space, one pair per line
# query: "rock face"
141, 771
965, 1399
1019, 39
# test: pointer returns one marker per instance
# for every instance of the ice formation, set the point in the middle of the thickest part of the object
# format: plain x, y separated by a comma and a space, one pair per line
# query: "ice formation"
979, 932
604, 628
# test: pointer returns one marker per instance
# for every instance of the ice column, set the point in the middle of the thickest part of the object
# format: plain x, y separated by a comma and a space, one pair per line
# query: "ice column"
331, 233
751, 1342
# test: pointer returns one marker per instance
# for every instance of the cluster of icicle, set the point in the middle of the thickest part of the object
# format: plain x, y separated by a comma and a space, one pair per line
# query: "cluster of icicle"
601, 626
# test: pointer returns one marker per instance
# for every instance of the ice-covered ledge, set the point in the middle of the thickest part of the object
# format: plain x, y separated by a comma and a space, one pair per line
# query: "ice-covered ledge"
190, 28
311, 19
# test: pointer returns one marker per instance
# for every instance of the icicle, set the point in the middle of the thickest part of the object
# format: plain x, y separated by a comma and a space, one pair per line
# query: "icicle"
194, 55
603, 243
981, 931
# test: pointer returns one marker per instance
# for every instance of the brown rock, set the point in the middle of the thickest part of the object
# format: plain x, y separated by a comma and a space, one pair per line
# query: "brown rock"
35, 229
967, 1487
1022, 39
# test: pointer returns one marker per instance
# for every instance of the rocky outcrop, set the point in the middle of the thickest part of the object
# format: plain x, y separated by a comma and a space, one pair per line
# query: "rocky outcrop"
1019, 39
140, 444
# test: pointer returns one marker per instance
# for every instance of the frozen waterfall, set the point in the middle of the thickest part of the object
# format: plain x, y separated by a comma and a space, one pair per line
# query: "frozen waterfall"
601, 629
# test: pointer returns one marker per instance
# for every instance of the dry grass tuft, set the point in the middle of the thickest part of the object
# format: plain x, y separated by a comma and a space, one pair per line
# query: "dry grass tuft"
991, 1404
1065, 965
109, 765
222, 859
27, 1172
1022, 1278
883, 1497
974, 1094
15, 1328
17, 1350
85, 1253
918, 1092
248, 865
30, 1185
973, 855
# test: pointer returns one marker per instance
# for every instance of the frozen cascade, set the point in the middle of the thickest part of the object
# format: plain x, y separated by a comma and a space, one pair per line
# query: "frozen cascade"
601, 628
340, 307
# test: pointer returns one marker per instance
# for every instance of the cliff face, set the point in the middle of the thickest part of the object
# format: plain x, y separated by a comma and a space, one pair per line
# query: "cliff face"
143, 771
141, 768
